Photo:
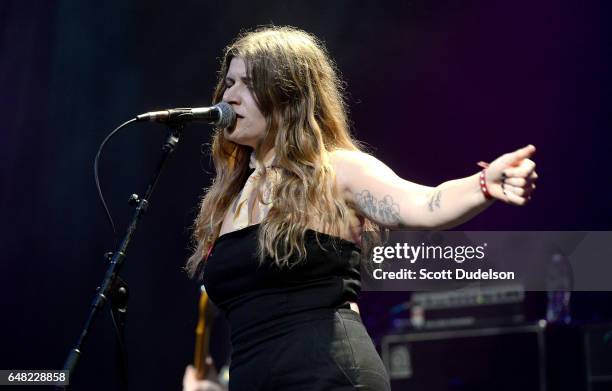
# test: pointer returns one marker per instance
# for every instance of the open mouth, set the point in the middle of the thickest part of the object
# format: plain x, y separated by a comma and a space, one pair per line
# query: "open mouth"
232, 127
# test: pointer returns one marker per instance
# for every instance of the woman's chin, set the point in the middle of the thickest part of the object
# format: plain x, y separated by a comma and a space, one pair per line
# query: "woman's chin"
237, 137
231, 134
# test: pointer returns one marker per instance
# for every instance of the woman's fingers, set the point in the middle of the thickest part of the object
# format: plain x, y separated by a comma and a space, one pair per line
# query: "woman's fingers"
514, 158
524, 153
523, 170
520, 191
515, 199
191, 383
518, 195
515, 173
521, 182
189, 373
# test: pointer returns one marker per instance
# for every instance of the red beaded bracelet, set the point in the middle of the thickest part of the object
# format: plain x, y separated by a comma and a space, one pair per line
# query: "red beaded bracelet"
483, 185
483, 180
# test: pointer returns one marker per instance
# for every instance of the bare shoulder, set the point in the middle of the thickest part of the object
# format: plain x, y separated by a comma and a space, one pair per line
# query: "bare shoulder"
345, 156
349, 165
343, 163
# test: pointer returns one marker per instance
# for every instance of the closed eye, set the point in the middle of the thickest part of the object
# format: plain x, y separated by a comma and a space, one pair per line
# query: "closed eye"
247, 82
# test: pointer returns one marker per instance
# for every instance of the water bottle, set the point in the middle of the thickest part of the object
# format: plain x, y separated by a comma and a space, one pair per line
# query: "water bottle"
559, 281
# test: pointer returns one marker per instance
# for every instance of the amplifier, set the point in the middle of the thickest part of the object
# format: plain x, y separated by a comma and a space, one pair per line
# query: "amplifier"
597, 342
472, 306
533, 357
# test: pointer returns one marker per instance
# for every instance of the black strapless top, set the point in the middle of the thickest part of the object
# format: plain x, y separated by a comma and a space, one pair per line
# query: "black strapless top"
253, 296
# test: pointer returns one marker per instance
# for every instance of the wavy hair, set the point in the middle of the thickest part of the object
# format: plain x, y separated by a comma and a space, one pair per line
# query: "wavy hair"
297, 89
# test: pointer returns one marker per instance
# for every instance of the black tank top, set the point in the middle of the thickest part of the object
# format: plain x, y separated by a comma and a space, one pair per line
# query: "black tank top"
253, 295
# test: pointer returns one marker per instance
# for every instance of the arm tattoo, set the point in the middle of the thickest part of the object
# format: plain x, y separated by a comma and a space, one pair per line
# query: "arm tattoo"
434, 201
385, 211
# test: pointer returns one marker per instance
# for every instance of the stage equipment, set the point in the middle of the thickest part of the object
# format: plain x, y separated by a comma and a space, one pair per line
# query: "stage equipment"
113, 288
533, 357
221, 115
468, 307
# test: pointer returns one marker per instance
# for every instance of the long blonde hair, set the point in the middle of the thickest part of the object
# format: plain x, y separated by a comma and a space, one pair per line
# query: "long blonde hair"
298, 90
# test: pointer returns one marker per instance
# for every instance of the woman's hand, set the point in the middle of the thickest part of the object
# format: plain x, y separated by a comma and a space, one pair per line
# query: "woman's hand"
511, 177
191, 382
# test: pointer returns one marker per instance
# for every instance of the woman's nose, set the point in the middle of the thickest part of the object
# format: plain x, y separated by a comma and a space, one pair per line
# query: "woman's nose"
231, 95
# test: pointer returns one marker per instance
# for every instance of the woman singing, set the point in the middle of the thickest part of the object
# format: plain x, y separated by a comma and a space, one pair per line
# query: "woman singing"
278, 233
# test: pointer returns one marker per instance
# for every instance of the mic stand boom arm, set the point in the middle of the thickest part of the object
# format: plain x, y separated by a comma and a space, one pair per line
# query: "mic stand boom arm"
105, 290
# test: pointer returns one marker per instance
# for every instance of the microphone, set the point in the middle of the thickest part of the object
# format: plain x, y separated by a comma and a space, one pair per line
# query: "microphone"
221, 115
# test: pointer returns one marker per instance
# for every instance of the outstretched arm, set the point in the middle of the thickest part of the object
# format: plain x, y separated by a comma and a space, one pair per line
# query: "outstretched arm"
380, 195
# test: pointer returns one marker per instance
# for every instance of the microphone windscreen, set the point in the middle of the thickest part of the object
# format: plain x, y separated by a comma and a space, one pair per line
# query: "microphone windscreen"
227, 117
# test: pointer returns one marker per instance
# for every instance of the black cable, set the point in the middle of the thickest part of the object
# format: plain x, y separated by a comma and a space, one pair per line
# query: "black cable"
123, 363
97, 178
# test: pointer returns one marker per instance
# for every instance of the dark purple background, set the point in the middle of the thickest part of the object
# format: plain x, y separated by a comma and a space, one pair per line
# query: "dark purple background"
434, 87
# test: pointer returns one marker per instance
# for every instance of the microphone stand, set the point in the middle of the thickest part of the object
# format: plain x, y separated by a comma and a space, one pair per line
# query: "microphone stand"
113, 287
